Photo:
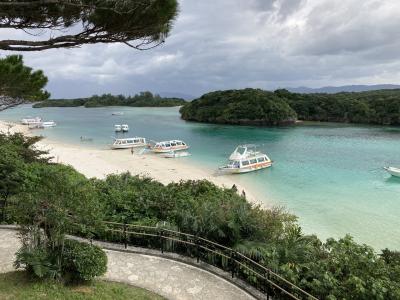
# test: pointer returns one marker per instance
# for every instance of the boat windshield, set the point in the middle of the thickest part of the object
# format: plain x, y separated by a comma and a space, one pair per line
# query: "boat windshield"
241, 150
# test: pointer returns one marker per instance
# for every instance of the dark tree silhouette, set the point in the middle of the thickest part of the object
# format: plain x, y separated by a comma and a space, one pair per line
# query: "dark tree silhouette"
141, 24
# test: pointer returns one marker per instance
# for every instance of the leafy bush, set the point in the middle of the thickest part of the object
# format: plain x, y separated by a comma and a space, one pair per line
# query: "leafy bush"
37, 262
82, 261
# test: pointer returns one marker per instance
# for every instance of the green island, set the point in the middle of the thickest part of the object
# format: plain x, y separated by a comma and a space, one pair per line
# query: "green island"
259, 107
143, 99
36, 193
17, 285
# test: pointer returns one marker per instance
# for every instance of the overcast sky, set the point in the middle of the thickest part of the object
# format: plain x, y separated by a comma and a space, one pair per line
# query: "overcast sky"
224, 44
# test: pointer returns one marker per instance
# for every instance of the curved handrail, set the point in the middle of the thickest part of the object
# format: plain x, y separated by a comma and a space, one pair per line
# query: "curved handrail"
235, 260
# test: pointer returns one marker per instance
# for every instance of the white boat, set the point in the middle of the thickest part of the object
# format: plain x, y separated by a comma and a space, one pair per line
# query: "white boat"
31, 120
41, 125
48, 124
117, 113
125, 127
117, 128
168, 146
173, 154
129, 143
393, 171
245, 159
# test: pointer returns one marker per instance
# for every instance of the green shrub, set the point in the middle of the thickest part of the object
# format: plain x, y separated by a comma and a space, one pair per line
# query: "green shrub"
82, 261
37, 262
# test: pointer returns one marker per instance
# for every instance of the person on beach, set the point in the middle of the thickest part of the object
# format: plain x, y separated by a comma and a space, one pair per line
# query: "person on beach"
132, 150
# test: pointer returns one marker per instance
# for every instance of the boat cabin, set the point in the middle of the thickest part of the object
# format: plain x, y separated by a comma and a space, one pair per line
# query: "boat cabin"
129, 143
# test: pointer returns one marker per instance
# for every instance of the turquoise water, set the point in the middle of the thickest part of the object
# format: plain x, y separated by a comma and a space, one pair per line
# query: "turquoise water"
327, 174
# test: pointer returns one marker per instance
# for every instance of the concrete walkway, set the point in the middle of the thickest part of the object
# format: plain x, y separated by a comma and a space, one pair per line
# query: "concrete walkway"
168, 278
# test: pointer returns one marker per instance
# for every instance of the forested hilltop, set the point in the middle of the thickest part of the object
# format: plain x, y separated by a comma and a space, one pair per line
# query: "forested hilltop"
143, 99
258, 107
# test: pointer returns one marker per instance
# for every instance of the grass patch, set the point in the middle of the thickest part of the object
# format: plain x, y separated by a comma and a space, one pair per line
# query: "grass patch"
17, 285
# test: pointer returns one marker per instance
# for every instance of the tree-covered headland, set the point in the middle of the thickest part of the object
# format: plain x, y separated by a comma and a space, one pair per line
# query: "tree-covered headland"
49, 199
259, 107
143, 99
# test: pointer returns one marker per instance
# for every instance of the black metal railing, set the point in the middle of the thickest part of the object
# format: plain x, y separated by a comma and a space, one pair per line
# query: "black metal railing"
238, 265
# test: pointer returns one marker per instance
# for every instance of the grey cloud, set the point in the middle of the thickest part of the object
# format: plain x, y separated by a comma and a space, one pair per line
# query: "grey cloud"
225, 44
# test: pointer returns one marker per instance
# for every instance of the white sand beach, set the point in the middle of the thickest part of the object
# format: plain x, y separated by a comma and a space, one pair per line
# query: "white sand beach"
101, 162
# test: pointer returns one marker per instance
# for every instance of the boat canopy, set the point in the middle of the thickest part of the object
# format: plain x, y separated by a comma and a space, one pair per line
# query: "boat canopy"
243, 151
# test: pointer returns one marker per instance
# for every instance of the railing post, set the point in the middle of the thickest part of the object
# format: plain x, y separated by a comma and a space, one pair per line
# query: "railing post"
161, 240
196, 241
233, 264
125, 236
267, 275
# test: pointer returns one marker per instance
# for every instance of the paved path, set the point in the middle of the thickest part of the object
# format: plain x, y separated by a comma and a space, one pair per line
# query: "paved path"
168, 278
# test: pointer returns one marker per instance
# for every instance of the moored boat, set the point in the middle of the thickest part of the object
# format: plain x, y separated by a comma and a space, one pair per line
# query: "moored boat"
173, 154
31, 120
117, 128
129, 143
124, 128
49, 124
168, 146
246, 159
393, 171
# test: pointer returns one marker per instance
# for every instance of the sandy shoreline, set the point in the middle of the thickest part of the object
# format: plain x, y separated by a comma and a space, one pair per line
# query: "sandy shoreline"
100, 162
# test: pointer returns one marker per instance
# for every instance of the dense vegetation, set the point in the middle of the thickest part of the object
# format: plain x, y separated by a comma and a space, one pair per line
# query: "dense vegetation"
54, 197
143, 99
18, 286
254, 106
242, 107
50, 199
20, 82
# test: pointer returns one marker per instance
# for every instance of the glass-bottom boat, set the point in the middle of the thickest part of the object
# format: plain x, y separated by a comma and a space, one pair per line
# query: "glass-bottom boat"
129, 143
168, 146
246, 159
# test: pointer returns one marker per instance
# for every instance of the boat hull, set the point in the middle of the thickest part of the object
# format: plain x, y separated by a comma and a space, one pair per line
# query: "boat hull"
128, 146
246, 169
176, 155
393, 171
169, 149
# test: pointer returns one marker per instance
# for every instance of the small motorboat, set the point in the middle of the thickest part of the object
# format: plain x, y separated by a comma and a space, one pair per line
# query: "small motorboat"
125, 128
129, 143
117, 113
173, 154
393, 171
31, 120
42, 125
117, 128
246, 159
168, 146
48, 124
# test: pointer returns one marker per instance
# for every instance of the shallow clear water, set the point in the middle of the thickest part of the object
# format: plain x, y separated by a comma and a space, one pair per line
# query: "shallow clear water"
330, 175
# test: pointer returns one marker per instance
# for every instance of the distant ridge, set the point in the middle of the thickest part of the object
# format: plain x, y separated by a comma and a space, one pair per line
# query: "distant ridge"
345, 88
